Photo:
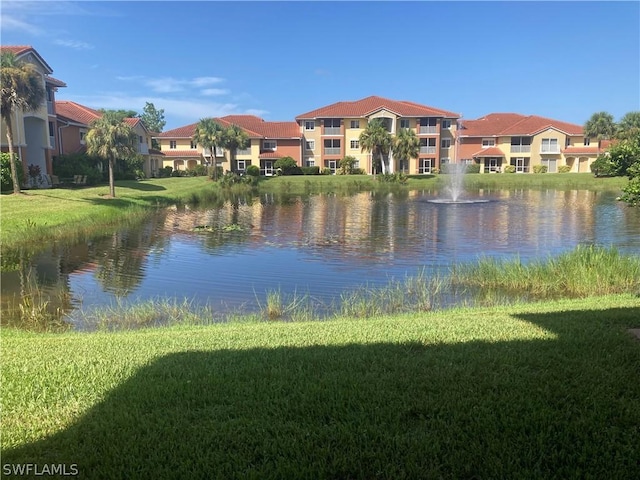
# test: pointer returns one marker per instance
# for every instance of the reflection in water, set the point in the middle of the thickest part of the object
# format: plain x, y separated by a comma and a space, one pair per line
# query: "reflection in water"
320, 244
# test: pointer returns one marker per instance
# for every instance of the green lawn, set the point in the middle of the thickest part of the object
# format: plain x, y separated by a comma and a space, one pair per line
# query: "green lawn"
544, 390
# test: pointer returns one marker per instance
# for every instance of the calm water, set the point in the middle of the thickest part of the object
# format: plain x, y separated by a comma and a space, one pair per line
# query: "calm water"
318, 245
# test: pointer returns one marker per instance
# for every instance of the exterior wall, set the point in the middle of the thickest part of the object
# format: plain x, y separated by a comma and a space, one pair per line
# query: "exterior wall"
69, 138
363, 158
288, 148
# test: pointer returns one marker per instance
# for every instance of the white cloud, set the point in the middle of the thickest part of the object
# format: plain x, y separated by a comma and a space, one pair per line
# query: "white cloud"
75, 44
204, 81
10, 23
178, 112
209, 92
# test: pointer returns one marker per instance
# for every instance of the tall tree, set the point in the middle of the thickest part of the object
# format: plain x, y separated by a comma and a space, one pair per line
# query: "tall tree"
629, 125
233, 139
406, 145
209, 134
153, 118
22, 90
110, 138
600, 126
376, 139
121, 113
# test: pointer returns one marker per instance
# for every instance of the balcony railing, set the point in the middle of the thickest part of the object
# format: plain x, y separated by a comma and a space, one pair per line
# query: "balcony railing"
332, 130
520, 148
143, 148
332, 151
427, 149
428, 129
50, 108
244, 151
549, 149
52, 141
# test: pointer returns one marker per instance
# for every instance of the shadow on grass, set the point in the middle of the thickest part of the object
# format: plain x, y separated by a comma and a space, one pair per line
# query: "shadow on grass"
567, 407
135, 185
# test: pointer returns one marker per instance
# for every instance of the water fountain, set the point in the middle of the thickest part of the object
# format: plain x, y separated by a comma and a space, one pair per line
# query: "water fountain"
455, 187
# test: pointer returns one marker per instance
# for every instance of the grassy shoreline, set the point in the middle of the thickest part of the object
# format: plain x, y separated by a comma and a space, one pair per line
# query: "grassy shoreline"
525, 391
41, 215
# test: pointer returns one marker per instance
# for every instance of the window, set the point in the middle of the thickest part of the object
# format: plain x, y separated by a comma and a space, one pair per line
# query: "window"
520, 144
309, 125
488, 142
428, 125
310, 145
445, 143
446, 123
141, 139
405, 123
427, 145
194, 145
587, 141
549, 145
445, 160
332, 164
354, 144
355, 124
332, 126
424, 165
551, 164
172, 144
51, 129
567, 142
269, 145
521, 164
332, 146
241, 165
83, 133
311, 162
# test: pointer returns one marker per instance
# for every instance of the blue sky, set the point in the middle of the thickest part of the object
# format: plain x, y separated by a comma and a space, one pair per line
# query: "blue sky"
563, 60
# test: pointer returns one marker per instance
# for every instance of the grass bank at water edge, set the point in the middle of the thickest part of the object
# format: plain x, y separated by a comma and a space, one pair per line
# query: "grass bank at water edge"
545, 390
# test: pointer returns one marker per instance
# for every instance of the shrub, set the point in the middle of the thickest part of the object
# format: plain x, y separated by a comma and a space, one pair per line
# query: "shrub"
397, 177
310, 170
436, 171
473, 168
327, 171
177, 173
200, 170
539, 169
253, 171
347, 164
358, 171
215, 172
604, 167
5, 172
66, 166
564, 169
509, 169
165, 172
288, 166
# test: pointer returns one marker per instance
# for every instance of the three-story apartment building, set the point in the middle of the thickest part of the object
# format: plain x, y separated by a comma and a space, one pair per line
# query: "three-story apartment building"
34, 133
269, 141
332, 132
500, 139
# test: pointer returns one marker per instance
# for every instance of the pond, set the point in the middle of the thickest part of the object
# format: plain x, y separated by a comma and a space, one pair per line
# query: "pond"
316, 245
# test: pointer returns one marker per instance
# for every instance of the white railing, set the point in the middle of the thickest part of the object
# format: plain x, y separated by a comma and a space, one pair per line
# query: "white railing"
52, 141
520, 148
50, 108
428, 129
244, 151
332, 151
427, 149
332, 130
549, 149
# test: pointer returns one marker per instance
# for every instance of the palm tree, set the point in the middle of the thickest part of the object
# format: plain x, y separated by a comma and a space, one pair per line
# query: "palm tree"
210, 135
111, 138
375, 138
234, 138
600, 126
406, 145
22, 89
629, 125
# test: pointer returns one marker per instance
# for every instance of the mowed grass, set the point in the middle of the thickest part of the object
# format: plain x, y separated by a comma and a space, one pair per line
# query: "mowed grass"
57, 213
545, 390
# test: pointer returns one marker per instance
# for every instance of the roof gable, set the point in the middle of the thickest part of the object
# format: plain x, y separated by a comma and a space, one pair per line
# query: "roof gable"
509, 124
28, 53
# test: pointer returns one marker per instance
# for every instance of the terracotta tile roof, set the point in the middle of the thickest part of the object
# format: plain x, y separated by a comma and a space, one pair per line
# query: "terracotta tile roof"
254, 126
181, 153
369, 105
489, 152
75, 112
508, 124
19, 50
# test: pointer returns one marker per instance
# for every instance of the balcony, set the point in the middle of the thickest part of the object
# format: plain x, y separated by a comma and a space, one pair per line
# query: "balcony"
549, 149
244, 151
52, 141
428, 129
332, 130
143, 148
520, 148
424, 149
50, 108
332, 151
